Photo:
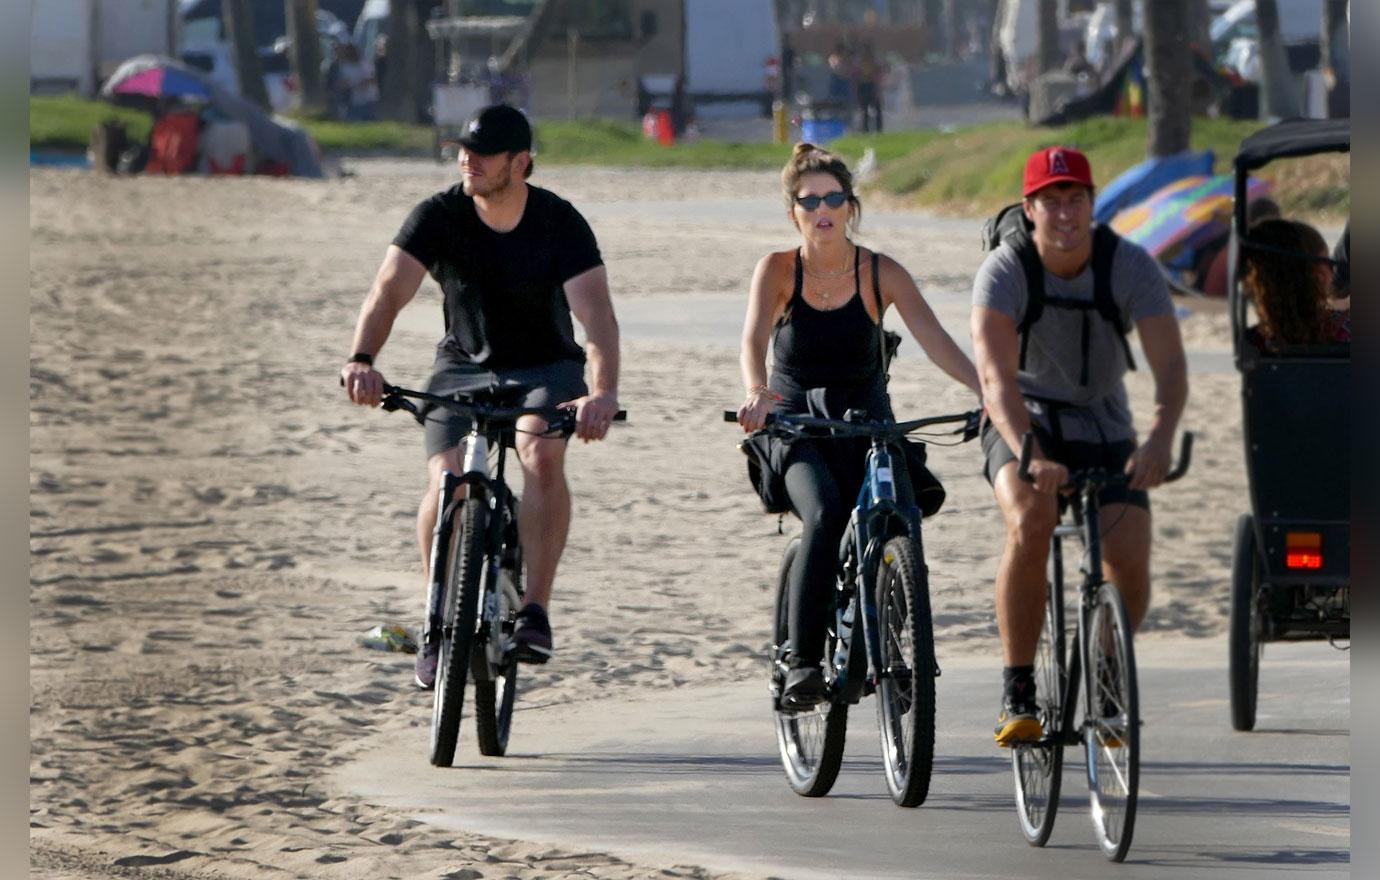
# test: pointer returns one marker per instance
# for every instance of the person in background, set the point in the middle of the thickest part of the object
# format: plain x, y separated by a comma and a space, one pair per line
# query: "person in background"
357, 81
870, 73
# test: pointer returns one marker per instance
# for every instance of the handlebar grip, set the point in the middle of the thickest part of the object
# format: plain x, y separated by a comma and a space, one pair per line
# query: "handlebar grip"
620, 416
731, 415
1027, 448
1185, 455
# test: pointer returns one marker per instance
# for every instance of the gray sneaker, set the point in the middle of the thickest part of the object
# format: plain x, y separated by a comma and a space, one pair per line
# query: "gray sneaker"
532, 635
424, 672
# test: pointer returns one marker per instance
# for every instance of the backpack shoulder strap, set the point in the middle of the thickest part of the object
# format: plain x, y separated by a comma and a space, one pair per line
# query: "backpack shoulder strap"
1105, 242
1034, 287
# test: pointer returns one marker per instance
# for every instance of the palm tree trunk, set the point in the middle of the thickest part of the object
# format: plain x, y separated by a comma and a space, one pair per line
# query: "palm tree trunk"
1170, 76
1047, 38
1279, 97
306, 53
239, 29
1200, 26
407, 56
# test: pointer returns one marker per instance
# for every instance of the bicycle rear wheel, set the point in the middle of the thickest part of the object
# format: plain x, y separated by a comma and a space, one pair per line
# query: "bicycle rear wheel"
1038, 767
905, 695
810, 742
457, 634
495, 670
1111, 731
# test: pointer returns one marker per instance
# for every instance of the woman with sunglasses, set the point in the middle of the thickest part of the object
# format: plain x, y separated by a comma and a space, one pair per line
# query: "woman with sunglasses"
821, 305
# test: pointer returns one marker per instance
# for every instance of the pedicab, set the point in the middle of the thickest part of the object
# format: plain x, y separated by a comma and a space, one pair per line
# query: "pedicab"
1291, 559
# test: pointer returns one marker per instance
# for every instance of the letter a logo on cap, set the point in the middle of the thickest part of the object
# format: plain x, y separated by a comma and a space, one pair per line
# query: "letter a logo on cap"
1057, 165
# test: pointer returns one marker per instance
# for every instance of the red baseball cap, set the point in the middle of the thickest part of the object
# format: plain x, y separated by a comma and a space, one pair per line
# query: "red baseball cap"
1055, 165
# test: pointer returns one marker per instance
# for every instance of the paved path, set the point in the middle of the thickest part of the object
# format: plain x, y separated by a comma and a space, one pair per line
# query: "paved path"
691, 776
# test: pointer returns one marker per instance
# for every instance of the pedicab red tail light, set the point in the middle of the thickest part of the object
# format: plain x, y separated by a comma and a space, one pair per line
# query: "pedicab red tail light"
1303, 550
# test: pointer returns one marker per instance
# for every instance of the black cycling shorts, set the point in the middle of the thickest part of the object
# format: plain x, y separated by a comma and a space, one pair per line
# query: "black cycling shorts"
1073, 455
540, 386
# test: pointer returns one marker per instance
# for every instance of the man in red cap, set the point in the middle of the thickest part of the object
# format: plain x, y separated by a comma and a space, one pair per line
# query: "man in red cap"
514, 263
1052, 305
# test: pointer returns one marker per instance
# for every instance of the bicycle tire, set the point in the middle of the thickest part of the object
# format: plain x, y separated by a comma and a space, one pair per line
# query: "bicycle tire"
905, 694
810, 742
495, 692
462, 597
1039, 767
1243, 641
1111, 745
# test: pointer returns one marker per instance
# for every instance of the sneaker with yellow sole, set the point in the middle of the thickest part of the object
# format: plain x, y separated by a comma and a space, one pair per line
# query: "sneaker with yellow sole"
1018, 723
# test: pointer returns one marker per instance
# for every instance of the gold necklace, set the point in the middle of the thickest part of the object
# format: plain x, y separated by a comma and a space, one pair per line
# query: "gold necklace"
825, 292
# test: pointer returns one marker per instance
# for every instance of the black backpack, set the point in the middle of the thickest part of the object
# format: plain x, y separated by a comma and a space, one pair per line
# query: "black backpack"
1010, 225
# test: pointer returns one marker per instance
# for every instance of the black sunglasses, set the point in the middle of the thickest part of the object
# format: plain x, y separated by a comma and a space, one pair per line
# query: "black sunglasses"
833, 199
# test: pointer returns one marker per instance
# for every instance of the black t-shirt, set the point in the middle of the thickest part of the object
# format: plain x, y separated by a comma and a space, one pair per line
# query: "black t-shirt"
503, 297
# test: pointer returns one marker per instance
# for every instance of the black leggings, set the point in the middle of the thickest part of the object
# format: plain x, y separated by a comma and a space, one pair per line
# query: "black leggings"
822, 480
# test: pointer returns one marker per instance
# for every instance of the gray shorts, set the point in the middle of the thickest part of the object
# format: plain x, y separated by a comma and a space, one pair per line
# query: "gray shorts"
540, 386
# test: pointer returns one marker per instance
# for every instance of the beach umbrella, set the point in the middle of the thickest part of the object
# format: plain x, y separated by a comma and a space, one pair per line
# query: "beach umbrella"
147, 80
1184, 216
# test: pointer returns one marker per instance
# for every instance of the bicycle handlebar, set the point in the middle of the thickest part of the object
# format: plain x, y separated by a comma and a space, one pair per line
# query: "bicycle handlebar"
1079, 477
563, 419
865, 428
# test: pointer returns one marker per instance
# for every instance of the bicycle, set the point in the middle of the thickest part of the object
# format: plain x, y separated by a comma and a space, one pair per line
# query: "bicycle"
1102, 653
882, 588
475, 589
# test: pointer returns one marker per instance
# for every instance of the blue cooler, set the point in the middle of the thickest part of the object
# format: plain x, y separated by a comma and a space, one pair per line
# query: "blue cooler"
822, 130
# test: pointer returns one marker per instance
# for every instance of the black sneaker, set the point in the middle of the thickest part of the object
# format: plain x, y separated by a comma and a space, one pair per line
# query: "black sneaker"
805, 687
1019, 722
424, 670
531, 641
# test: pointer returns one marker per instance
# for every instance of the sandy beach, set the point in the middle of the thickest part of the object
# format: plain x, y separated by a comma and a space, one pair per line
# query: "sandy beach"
213, 527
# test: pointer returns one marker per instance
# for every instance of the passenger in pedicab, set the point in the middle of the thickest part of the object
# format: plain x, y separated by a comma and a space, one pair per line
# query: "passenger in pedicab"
1288, 275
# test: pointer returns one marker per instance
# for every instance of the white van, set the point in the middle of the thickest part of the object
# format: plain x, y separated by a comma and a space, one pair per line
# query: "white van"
728, 46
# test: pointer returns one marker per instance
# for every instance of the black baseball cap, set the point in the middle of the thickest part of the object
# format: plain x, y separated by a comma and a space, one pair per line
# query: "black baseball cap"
497, 128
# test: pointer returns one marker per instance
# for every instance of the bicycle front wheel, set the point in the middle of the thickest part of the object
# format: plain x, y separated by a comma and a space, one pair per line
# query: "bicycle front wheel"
905, 695
1111, 730
457, 634
811, 742
1038, 767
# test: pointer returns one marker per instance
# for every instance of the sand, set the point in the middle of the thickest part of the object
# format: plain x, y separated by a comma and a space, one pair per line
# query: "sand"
213, 527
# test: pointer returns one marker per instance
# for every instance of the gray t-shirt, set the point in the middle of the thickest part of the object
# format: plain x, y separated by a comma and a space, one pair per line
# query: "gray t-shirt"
1054, 359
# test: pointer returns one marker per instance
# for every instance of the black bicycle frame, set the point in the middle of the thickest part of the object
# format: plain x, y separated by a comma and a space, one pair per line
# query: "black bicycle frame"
1086, 524
448, 502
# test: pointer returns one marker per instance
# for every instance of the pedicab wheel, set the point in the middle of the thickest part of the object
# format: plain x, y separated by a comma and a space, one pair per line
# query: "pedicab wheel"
811, 742
1244, 638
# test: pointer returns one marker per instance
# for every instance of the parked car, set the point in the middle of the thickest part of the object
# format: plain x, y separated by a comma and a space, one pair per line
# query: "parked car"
206, 47
1236, 36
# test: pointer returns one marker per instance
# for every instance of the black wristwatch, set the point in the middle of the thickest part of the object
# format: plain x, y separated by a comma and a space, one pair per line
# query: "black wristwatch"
361, 357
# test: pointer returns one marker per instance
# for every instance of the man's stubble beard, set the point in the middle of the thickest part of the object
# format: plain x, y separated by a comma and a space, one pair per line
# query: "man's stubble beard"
499, 185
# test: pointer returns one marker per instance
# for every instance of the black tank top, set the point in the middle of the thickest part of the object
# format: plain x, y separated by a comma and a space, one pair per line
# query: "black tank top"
817, 348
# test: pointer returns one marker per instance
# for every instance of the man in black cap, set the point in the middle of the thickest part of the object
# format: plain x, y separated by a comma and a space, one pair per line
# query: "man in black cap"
514, 262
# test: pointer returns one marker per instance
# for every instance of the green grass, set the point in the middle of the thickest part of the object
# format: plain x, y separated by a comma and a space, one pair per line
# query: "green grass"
65, 122
977, 170
971, 170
